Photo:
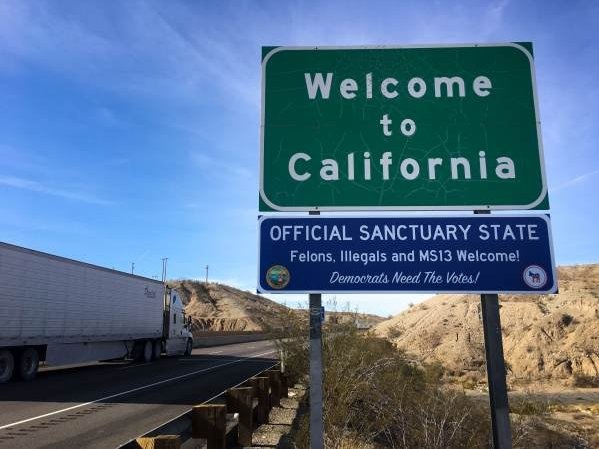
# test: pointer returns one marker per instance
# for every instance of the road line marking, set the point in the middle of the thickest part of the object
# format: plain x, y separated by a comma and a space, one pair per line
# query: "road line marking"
134, 365
216, 352
45, 415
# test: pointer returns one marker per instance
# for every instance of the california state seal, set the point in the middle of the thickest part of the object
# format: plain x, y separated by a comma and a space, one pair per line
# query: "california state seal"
277, 277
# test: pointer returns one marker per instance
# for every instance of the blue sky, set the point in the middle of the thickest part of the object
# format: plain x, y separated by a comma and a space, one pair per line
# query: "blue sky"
129, 131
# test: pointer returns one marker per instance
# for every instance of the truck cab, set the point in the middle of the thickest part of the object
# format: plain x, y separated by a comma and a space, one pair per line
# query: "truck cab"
178, 338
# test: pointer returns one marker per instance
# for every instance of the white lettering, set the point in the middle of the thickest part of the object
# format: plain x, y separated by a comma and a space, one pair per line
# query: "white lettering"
385, 88
318, 85
294, 174
449, 83
348, 88
417, 93
413, 172
505, 169
481, 86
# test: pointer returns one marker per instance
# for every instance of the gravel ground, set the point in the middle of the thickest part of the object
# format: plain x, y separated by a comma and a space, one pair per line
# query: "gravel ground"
276, 434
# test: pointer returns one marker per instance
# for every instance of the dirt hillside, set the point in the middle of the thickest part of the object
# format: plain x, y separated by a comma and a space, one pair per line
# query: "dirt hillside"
217, 307
548, 336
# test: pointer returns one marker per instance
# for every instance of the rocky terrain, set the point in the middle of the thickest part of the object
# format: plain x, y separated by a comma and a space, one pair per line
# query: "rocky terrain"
217, 307
544, 337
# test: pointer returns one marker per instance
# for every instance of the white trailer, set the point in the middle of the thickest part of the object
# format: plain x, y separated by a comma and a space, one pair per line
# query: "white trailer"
61, 311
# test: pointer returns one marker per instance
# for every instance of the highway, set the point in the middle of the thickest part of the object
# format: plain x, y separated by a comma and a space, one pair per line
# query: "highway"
105, 404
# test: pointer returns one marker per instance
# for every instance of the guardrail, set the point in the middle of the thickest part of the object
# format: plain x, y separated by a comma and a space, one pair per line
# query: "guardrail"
224, 421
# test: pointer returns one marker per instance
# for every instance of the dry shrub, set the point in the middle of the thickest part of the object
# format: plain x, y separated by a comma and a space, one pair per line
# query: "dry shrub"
292, 343
374, 397
394, 332
584, 381
525, 406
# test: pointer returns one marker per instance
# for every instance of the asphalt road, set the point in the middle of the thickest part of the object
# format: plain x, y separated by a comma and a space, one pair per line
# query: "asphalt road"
106, 404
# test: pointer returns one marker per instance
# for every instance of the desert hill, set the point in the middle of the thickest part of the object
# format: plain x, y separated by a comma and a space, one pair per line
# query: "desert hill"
218, 307
547, 336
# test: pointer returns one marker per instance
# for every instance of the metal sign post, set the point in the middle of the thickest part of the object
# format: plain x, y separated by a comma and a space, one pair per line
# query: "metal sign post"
316, 418
500, 416
500, 412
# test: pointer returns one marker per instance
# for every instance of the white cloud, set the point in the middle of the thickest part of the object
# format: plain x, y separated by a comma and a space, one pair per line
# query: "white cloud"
219, 167
34, 186
574, 181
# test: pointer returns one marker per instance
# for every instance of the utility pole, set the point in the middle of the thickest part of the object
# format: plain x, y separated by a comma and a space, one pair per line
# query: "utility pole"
132, 267
206, 274
164, 261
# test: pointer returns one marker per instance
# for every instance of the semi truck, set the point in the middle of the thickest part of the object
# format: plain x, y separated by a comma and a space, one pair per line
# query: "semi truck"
59, 311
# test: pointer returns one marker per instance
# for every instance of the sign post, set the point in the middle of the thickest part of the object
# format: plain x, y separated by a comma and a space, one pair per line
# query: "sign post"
498, 399
496, 372
316, 368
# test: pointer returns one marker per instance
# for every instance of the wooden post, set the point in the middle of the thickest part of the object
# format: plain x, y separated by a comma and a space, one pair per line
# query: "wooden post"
255, 389
159, 442
240, 400
263, 400
210, 421
275, 387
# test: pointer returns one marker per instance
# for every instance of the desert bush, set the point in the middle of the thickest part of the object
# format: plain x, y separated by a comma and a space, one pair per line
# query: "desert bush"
394, 332
292, 343
529, 406
584, 381
566, 319
373, 391
375, 397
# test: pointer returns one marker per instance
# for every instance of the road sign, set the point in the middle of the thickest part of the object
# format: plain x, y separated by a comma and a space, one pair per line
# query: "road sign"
400, 128
459, 254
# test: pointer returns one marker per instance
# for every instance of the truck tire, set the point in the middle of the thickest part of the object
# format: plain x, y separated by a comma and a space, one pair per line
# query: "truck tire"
29, 361
148, 351
156, 349
188, 348
7, 365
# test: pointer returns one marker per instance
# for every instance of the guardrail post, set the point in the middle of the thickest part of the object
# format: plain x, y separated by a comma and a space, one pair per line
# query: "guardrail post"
263, 399
240, 400
210, 421
255, 389
284, 386
159, 442
275, 387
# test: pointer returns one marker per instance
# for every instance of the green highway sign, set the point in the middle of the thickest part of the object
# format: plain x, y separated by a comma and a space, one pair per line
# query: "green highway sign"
400, 128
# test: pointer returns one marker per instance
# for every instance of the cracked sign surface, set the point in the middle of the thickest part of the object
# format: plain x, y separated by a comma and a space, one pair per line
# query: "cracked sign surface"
409, 128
